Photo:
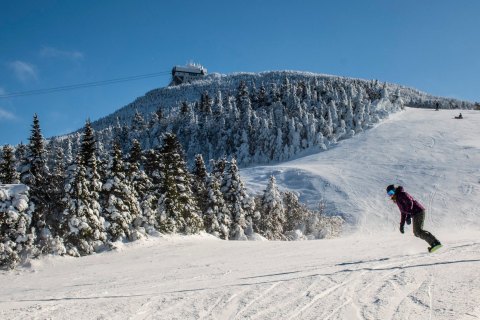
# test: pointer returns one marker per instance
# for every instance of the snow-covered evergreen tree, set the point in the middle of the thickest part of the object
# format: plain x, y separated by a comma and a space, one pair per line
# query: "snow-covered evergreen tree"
240, 205
142, 189
199, 183
272, 212
36, 175
319, 225
20, 154
50, 240
216, 218
84, 226
296, 214
178, 211
16, 236
8, 172
120, 205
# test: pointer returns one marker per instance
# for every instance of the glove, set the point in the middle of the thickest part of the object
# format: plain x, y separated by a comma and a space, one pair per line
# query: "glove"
409, 219
402, 230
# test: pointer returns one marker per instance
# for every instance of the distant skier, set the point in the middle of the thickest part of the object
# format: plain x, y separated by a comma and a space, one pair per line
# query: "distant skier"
459, 116
411, 208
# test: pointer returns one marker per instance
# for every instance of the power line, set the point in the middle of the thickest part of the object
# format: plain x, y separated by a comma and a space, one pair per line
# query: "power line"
82, 85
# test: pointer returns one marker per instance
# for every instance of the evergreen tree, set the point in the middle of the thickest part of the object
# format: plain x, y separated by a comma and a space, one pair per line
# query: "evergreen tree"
35, 174
295, 213
16, 236
241, 207
218, 167
88, 156
272, 211
216, 219
84, 227
50, 240
8, 173
206, 103
138, 123
142, 189
135, 155
20, 154
199, 186
121, 207
178, 210
68, 153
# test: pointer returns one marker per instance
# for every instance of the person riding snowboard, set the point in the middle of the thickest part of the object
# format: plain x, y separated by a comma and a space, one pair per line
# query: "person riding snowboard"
411, 208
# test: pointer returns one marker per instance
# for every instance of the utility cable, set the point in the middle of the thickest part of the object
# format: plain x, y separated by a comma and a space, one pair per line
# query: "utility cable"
82, 85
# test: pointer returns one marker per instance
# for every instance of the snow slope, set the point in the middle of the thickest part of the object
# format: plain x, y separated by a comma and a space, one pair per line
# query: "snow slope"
435, 157
375, 273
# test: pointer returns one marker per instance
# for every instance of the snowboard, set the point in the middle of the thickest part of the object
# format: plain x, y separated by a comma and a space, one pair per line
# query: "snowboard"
433, 249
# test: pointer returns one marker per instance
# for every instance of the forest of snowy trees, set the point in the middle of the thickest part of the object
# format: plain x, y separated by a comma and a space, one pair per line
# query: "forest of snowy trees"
53, 204
271, 123
257, 118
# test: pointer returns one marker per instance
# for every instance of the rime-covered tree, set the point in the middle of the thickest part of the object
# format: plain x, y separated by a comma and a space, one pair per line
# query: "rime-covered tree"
8, 173
138, 123
142, 188
120, 205
50, 240
20, 154
199, 183
84, 231
16, 236
85, 227
178, 211
216, 218
89, 160
35, 174
272, 212
240, 205
296, 213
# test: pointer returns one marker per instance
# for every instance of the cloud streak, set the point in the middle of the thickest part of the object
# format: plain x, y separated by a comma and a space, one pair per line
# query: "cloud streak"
51, 52
23, 71
5, 115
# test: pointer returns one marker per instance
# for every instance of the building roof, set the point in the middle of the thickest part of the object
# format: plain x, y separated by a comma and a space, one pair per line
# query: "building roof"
190, 69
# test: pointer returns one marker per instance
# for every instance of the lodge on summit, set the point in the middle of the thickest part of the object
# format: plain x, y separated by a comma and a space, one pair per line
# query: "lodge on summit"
187, 73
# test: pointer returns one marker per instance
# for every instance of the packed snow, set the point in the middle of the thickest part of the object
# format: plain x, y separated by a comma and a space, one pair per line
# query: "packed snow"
371, 272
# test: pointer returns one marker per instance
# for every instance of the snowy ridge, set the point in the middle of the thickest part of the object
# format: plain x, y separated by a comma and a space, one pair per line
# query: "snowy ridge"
257, 118
170, 97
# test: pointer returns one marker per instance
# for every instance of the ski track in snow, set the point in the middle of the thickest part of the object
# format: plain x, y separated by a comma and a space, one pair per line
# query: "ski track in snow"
374, 273
407, 285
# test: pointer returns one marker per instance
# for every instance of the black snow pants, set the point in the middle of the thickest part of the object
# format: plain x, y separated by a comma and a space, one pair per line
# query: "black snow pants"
418, 219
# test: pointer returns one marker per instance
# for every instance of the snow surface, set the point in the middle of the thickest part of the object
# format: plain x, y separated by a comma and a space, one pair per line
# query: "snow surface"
374, 272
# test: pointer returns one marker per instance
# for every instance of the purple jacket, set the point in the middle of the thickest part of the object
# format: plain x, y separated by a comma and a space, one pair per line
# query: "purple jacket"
406, 204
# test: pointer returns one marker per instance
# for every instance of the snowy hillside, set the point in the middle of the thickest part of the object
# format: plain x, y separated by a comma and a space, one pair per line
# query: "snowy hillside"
434, 156
257, 118
170, 97
373, 273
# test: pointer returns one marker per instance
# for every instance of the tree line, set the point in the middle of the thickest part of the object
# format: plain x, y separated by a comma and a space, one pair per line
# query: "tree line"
84, 204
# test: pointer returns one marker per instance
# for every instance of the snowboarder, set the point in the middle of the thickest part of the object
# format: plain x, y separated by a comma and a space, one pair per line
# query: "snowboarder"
459, 116
412, 209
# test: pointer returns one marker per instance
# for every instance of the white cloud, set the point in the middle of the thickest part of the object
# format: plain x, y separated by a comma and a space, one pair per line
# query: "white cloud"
5, 115
23, 71
50, 52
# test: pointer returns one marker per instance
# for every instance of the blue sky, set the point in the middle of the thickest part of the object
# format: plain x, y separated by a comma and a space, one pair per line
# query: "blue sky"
430, 45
